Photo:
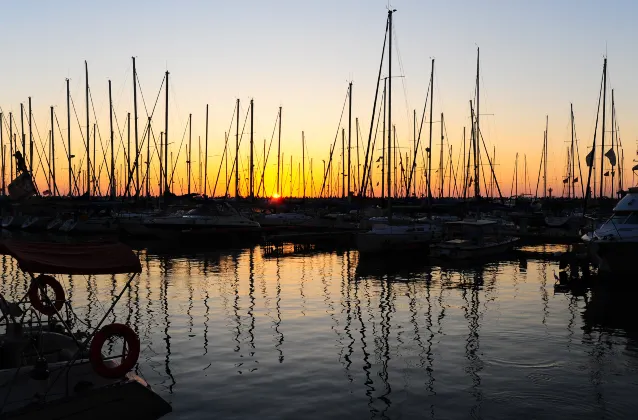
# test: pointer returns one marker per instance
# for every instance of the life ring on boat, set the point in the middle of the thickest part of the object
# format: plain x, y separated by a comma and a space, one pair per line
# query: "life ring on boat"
130, 358
36, 300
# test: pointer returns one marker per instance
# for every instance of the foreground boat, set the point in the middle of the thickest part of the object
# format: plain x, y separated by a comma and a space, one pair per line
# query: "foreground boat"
50, 372
614, 245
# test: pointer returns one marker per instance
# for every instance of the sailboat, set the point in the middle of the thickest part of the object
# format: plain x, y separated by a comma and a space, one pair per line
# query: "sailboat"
388, 237
479, 237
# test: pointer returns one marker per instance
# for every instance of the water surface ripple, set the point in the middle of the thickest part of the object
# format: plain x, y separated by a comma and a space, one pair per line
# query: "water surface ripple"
240, 335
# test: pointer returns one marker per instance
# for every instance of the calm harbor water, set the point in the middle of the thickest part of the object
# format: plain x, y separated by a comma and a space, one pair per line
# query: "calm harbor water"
241, 335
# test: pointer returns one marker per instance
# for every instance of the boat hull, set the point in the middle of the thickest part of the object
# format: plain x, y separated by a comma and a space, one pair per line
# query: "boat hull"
376, 243
129, 398
459, 251
614, 257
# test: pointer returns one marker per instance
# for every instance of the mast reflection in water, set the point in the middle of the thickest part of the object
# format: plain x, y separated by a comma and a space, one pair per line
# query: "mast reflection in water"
324, 335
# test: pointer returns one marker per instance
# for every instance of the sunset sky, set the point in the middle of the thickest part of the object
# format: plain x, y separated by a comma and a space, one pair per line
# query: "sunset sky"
536, 59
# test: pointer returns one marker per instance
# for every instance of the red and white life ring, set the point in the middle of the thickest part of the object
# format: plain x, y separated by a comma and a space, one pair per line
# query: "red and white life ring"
37, 301
108, 370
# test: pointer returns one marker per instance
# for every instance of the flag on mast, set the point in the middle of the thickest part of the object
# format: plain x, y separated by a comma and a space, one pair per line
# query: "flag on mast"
611, 156
589, 159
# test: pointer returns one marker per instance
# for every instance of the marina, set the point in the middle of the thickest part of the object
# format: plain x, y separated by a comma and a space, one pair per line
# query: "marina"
243, 232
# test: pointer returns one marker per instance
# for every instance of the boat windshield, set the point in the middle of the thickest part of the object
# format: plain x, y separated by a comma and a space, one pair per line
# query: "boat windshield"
623, 217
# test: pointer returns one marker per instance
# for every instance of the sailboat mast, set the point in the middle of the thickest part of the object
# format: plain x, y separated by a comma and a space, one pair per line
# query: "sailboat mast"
477, 135
515, 174
190, 150
11, 142
128, 153
358, 186
303, 164
137, 146
148, 158
441, 160
2, 151
613, 124
383, 153
206, 154
251, 174
602, 140
475, 153
573, 166
30, 138
430, 145
545, 154
166, 181
389, 156
343, 163
349, 131
68, 135
52, 158
112, 183
278, 188
237, 154
88, 131
24, 150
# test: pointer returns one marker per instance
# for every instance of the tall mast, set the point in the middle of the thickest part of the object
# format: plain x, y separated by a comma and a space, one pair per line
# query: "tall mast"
389, 156
602, 149
54, 186
206, 154
477, 135
2, 151
237, 154
11, 143
545, 154
30, 138
415, 154
278, 189
430, 145
190, 142
166, 181
613, 124
464, 170
88, 131
475, 153
383, 152
68, 135
112, 183
358, 186
148, 159
572, 169
128, 153
160, 183
349, 131
515, 174
441, 160
137, 146
252, 150
303, 164
343, 163
24, 150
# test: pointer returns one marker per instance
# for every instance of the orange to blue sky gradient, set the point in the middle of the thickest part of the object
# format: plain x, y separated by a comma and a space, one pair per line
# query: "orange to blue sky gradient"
536, 59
